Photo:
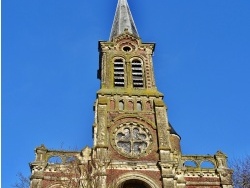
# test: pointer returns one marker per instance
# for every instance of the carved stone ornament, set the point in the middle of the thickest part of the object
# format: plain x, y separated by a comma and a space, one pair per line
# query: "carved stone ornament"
131, 140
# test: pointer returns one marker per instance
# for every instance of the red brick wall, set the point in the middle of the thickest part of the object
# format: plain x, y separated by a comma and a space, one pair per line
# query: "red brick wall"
112, 104
130, 105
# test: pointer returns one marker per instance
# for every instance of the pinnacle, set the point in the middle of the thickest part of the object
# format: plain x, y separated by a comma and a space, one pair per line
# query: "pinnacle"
123, 20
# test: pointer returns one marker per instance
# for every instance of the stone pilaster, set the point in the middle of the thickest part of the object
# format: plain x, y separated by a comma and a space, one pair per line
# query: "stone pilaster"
162, 125
224, 172
101, 122
37, 167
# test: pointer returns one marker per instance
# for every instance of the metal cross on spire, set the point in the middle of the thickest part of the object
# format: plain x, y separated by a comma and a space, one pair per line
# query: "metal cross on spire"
123, 20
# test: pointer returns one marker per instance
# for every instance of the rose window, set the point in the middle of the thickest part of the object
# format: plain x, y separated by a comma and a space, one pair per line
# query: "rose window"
132, 140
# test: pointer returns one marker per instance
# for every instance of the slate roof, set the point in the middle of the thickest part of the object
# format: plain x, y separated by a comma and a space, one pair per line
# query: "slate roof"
172, 131
123, 20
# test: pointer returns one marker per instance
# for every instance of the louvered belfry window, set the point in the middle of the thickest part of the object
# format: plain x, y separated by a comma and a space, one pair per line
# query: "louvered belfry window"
119, 73
137, 74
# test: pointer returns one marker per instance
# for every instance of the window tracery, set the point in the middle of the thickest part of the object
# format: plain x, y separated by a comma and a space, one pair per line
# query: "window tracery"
132, 139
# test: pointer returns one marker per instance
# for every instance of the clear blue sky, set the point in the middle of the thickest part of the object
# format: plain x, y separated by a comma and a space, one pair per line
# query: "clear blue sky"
50, 59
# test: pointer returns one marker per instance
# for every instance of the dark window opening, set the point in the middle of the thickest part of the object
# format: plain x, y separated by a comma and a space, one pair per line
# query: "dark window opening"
126, 49
121, 105
137, 74
118, 73
139, 106
133, 183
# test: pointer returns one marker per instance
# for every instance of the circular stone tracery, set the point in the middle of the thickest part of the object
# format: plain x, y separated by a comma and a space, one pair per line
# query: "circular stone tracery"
131, 139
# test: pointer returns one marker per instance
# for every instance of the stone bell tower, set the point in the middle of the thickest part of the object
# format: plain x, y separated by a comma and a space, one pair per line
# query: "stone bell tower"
131, 125
134, 146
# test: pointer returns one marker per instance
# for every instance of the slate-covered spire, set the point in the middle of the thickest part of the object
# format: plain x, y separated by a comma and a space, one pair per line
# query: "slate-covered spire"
123, 20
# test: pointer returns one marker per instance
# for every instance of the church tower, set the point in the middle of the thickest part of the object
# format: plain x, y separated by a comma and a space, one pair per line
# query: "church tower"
131, 125
134, 146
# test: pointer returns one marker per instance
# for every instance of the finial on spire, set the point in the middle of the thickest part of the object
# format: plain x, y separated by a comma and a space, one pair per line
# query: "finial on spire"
123, 20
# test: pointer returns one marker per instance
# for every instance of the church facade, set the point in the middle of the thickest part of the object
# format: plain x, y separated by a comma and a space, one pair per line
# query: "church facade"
134, 145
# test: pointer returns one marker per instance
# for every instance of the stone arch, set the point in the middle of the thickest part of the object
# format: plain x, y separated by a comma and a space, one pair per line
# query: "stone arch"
56, 186
135, 118
54, 159
190, 164
132, 179
137, 57
127, 40
207, 164
122, 58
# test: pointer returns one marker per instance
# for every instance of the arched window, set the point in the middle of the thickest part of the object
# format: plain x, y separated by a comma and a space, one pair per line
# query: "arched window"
139, 106
137, 74
121, 105
119, 73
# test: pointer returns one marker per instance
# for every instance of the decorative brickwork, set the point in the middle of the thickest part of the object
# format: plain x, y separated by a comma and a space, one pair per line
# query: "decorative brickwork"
134, 145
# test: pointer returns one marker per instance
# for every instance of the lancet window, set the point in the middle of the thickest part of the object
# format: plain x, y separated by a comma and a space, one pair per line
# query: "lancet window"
119, 80
137, 73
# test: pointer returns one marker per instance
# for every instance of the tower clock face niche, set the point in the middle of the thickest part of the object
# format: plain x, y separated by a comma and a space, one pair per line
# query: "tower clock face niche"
131, 140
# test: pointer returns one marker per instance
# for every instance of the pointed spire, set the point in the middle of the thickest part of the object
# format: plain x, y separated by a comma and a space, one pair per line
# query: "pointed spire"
123, 20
